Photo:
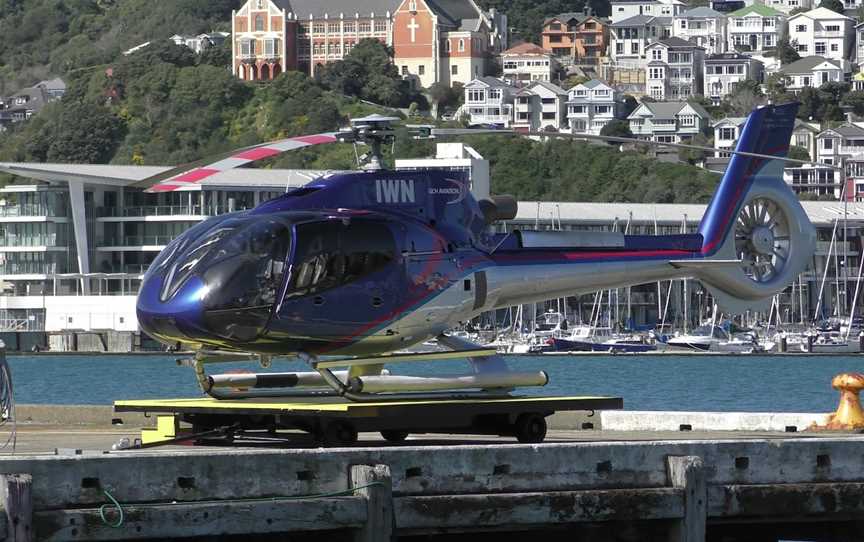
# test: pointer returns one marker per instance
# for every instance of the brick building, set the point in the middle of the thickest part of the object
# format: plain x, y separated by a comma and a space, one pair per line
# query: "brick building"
444, 40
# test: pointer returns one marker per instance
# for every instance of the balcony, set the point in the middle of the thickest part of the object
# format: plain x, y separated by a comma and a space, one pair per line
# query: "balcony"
28, 268
855, 152
15, 211
136, 241
156, 210
17, 241
490, 119
828, 34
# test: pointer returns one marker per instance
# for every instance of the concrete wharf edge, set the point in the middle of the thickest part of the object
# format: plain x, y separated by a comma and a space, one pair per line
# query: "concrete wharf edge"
433, 489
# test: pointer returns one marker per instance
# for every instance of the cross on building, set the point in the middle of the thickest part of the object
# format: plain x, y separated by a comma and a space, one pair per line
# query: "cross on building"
413, 28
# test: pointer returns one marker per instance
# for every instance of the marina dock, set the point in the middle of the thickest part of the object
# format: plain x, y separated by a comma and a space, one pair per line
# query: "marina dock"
582, 482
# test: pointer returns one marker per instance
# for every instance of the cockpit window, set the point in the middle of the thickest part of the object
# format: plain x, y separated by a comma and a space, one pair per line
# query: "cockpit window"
330, 254
246, 266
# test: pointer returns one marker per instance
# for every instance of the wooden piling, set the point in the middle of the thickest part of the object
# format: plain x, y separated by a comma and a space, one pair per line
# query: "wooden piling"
17, 503
375, 485
688, 474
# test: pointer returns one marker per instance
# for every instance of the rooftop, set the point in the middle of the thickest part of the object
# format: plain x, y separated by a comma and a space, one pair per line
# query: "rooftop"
821, 13
525, 48
757, 9
806, 65
702, 11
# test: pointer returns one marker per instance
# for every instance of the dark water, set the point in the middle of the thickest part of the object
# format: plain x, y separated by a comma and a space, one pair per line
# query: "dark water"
703, 383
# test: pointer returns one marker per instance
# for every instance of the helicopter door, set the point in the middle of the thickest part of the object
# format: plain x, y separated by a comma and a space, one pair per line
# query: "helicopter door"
480, 289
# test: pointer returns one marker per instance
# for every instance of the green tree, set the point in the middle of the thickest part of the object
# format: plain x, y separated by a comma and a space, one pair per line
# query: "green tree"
799, 153
83, 133
368, 73
786, 51
834, 5
855, 100
630, 105
616, 128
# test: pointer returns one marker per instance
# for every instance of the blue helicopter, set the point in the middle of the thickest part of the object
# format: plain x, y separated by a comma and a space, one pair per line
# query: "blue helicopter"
355, 266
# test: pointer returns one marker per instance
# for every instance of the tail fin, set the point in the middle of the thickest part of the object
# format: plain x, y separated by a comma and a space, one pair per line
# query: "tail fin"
756, 219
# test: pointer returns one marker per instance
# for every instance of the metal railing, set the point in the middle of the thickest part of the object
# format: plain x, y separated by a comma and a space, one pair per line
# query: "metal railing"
26, 210
152, 210
28, 268
46, 240
136, 241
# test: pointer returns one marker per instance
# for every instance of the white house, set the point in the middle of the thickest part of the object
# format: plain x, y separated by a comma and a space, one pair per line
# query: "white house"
859, 44
786, 6
726, 134
630, 37
822, 32
755, 28
812, 71
702, 26
624, 9
527, 62
725, 71
541, 106
592, 105
668, 122
843, 146
489, 101
674, 69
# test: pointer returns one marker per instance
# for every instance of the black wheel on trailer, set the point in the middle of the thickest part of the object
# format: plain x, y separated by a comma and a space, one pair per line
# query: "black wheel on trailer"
530, 428
339, 434
392, 435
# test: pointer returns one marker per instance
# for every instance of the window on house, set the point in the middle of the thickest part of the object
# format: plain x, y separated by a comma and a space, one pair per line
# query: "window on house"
555, 38
461, 45
259, 23
832, 28
476, 95
602, 109
769, 22
318, 28
412, 6
404, 70
819, 47
801, 28
349, 27
247, 48
688, 120
802, 140
802, 47
555, 26
495, 94
333, 28
634, 48
827, 144
421, 70
447, 46
270, 48
619, 48
381, 25
656, 54
548, 116
834, 47
577, 109
454, 70
365, 27
805, 81
523, 115
769, 40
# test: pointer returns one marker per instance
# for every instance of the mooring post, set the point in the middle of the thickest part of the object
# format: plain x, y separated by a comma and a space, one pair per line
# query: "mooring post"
375, 485
688, 474
17, 503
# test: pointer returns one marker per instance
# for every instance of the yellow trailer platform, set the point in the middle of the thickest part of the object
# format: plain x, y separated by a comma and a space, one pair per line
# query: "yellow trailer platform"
336, 421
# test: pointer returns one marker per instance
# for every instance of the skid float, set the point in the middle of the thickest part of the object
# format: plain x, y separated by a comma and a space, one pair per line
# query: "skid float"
335, 421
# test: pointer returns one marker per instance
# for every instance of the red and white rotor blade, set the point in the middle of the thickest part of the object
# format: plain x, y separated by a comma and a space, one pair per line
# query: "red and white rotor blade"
186, 177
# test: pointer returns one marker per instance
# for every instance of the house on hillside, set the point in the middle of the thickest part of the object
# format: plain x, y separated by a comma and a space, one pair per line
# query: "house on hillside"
702, 26
442, 41
726, 134
822, 32
592, 105
630, 38
27, 102
725, 71
527, 62
813, 72
541, 106
576, 38
625, 9
786, 6
489, 102
668, 122
755, 28
674, 69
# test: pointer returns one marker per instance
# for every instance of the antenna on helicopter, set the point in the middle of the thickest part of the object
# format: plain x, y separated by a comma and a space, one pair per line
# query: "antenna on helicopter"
373, 131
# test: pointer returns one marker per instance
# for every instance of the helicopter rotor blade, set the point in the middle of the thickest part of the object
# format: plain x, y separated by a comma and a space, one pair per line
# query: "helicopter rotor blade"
195, 172
615, 139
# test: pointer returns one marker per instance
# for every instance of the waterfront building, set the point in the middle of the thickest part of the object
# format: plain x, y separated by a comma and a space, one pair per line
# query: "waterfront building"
443, 41
200, 42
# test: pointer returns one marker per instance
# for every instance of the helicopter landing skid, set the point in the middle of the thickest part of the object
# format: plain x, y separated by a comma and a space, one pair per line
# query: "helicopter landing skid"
366, 380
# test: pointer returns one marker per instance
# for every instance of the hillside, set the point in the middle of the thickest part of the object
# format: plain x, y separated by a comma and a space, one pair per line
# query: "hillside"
166, 105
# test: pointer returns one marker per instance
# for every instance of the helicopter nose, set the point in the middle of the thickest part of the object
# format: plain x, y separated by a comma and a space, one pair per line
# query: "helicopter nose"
178, 319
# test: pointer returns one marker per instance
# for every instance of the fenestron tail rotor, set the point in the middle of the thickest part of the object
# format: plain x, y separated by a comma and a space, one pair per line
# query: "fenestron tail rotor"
762, 239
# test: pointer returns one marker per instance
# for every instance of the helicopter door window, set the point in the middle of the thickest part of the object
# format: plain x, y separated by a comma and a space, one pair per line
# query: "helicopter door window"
331, 254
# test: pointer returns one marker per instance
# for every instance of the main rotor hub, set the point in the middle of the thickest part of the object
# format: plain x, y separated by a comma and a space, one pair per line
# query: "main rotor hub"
762, 240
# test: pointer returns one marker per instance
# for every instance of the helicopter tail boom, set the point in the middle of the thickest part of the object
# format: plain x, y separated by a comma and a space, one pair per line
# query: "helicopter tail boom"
755, 219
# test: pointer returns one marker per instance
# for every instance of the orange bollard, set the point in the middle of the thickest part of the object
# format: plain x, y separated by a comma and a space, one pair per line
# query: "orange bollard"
849, 414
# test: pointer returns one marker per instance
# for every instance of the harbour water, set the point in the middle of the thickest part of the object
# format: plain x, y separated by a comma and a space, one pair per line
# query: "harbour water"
656, 382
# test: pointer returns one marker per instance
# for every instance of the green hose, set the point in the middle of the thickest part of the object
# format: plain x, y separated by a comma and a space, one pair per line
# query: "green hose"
106, 506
